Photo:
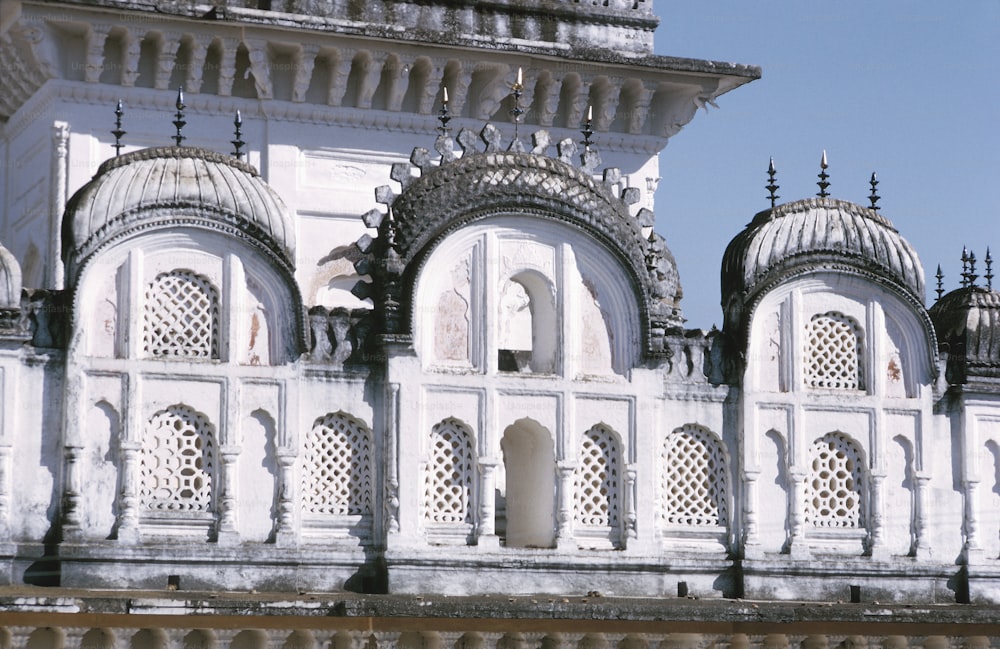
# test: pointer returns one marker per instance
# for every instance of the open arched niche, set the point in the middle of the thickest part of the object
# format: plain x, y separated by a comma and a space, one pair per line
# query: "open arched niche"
530, 464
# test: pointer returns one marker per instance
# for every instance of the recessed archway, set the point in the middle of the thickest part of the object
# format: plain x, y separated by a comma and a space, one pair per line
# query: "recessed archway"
529, 461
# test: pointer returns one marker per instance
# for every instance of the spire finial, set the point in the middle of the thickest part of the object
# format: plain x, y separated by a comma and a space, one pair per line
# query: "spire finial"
588, 128
772, 186
238, 142
940, 282
179, 121
443, 115
965, 267
989, 269
874, 197
823, 184
517, 90
972, 270
118, 132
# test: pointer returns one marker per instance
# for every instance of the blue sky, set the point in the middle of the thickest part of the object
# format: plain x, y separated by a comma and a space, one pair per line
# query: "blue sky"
910, 90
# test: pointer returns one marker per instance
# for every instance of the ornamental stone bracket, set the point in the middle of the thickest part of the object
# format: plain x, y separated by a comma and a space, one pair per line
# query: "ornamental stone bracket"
645, 96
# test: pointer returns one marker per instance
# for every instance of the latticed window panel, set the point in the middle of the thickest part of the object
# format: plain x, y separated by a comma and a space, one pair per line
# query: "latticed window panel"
449, 475
337, 477
694, 484
598, 479
181, 317
177, 462
833, 352
835, 487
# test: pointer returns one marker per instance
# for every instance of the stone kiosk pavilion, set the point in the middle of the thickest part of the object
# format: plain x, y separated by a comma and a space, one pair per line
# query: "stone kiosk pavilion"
401, 362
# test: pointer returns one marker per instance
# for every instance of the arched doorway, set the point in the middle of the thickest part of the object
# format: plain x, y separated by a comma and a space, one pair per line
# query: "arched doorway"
529, 463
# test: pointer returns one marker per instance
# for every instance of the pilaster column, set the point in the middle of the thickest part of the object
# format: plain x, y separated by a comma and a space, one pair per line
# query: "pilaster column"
876, 540
128, 498
922, 517
57, 203
391, 465
973, 549
487, 532
226, 532
564, 518
72, 491
631, 498
751, 537
797, 514
284, 531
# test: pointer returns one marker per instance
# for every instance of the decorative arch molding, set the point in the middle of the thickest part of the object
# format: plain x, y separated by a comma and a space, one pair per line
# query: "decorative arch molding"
481, 186
901, 310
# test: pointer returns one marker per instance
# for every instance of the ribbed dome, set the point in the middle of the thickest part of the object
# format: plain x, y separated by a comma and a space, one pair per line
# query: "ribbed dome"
967, 321
175, 186
818, 232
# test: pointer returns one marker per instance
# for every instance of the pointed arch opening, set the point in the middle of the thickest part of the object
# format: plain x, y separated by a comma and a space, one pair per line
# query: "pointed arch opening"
529, 466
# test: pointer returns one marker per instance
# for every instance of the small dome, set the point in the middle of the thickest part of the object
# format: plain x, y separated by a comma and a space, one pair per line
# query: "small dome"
967, 321
170, 186
816, 234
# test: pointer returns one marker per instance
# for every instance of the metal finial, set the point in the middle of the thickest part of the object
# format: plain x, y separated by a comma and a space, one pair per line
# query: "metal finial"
940, 282
874, 197
989, 269
771, 186
179, 122
965, 266
588, 129
517, 89
443, 116
238, 142
972, 269
118, 132
823, 184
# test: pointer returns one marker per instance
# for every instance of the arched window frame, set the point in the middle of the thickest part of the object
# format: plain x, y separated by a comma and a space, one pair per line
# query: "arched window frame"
836, 497
181, 318
694, 484
178, 468
834, 354
449, 500
598, 503
337, 486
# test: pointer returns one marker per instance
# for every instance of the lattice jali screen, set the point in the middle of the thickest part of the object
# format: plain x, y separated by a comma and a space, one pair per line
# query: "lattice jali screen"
177, 462
450, 471
181, 316
833, 352
598, 479
835, 487
694, 483
337, 474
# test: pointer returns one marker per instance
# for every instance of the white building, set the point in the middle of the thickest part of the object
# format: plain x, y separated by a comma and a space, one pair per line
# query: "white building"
416, 334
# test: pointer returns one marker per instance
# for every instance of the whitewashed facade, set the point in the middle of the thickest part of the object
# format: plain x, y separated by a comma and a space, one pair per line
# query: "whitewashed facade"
374, 355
